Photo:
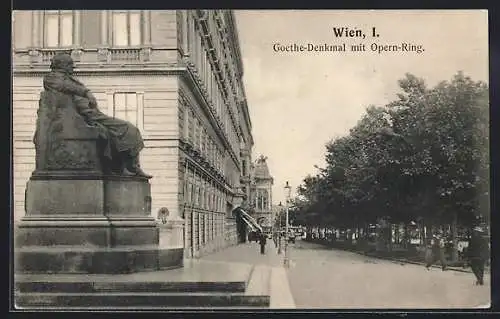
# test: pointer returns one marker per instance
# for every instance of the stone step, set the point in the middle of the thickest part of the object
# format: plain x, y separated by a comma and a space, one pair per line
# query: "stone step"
145, 300
90, 287
198, 284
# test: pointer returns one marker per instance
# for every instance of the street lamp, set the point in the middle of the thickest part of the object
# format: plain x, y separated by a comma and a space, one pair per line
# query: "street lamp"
279, 228
287, 192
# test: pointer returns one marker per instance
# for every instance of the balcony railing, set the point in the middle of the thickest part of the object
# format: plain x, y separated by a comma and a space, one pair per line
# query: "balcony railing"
87, 55
47, 55
125, 54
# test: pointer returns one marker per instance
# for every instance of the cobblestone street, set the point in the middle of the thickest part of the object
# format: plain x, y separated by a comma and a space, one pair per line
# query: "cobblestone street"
328, 278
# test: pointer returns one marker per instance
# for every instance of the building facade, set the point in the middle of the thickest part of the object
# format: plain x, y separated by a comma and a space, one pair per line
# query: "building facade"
177, 76
261, 192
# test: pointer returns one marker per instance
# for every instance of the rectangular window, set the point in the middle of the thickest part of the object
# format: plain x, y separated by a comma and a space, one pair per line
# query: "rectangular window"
202, 142
205, 196
205, 144
214, 92
210, 204
58, 29
202, 61
191, 193
182, 117
199, 134
188, 190
127, 28
210, 151
219, 162
191, 127
195, 198
187, 30
199, 51
186, 123
196, 48
209, 79
125, 107
214, 207
202, 192
198, 201
196, 133
22, 24
203, 229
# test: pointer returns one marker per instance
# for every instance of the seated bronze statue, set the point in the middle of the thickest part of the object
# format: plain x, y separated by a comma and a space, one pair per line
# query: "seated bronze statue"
122, 140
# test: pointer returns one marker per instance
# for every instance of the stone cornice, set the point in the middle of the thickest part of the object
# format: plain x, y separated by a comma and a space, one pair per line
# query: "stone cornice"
244, 106
256, 178
235, 41
99, 71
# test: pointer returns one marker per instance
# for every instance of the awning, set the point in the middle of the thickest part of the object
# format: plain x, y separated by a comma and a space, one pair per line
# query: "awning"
249, 219
249, 224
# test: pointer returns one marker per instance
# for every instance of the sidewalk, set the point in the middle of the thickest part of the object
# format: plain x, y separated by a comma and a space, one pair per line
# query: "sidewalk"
271, 263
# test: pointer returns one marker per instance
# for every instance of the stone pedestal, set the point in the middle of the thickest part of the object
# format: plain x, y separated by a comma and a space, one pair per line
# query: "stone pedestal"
171, 243
87, 226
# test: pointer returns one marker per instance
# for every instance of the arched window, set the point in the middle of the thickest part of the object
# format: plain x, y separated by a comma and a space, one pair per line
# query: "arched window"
265, 201
262, 199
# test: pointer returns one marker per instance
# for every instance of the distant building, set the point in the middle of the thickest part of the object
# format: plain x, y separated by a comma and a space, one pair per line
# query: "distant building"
262, 185
176, 75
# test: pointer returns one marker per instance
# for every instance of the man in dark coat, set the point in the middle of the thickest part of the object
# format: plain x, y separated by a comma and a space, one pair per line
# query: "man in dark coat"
262, 242
275, 239
125, 139
478, 253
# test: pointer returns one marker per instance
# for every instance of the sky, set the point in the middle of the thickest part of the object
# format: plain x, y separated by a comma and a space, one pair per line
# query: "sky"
298, 101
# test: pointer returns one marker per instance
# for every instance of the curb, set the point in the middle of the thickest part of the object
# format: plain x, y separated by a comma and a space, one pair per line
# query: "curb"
420, 263
281, 295
464, 270
406, 261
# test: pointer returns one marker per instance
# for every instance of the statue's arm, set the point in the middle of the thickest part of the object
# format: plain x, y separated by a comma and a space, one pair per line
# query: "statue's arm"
59, 82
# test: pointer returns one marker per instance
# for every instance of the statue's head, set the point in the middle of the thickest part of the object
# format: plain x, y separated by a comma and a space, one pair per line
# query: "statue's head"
62, 62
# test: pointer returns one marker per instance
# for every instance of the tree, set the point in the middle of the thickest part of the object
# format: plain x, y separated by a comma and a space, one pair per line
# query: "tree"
422, 156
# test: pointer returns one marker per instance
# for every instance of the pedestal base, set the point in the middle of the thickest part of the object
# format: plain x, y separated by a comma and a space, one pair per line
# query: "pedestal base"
87, 231
77, 259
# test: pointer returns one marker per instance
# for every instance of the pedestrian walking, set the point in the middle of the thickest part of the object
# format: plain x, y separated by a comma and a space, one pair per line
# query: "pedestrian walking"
275, 239
478, 253
262, 242
436, 252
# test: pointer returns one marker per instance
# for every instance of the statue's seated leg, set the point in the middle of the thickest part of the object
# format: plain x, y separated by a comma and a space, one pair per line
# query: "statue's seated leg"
131, 166
114, 163
137, 167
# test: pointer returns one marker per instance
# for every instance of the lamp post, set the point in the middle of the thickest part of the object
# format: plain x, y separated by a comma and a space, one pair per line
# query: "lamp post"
279, 227
287, 192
